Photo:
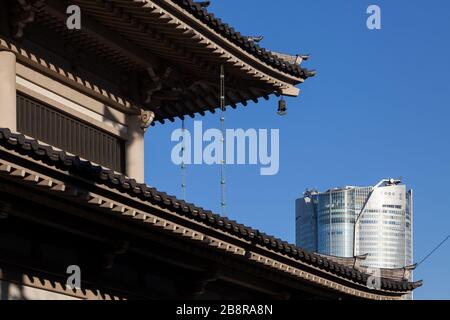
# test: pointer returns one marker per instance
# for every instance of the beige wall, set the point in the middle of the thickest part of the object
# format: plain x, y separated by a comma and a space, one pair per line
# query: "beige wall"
8, 90
134, 158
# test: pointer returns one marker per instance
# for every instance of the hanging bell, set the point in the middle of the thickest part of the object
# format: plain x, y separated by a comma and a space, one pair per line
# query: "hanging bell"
282, 109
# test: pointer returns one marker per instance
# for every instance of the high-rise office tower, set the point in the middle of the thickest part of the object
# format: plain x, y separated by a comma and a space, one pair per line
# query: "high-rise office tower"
354, 221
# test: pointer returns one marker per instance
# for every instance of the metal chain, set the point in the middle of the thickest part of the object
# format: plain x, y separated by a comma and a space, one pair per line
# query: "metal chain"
223, 203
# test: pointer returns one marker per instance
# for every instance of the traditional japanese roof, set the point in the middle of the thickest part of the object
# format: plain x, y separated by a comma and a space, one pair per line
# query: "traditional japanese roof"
168, 51
357, 263
283, 62
95, 174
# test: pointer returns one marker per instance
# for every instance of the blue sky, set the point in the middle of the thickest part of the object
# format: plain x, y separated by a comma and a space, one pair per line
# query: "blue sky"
378, 107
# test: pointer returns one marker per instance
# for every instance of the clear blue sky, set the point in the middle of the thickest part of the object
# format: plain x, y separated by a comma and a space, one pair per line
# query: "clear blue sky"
378, 107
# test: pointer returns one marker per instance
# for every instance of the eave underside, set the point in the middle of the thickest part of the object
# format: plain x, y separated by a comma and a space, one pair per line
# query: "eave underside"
129, 38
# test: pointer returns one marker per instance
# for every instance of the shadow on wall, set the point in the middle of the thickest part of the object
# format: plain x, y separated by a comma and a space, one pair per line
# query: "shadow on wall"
10, 290
110, 116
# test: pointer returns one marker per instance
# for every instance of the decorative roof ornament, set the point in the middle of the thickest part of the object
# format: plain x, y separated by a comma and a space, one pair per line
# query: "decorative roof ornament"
256, 39
153, 83
359, 260
408, 270
295, 60
146, 119
204, 4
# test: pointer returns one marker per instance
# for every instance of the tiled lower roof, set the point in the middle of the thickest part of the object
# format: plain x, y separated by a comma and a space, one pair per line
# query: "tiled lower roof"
243, 42
85, 169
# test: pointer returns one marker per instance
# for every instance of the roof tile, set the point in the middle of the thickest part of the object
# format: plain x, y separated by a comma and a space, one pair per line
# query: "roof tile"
231, 34
87, 170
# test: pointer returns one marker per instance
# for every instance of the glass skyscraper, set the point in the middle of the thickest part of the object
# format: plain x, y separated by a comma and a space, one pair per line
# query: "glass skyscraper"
353, 221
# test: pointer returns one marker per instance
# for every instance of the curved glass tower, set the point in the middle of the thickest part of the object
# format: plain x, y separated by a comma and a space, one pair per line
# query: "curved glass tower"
352, 221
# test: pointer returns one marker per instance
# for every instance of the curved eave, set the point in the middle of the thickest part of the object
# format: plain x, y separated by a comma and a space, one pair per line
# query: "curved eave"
228, 52
226, 31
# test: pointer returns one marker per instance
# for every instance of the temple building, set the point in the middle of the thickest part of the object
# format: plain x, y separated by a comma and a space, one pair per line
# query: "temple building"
75, 105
